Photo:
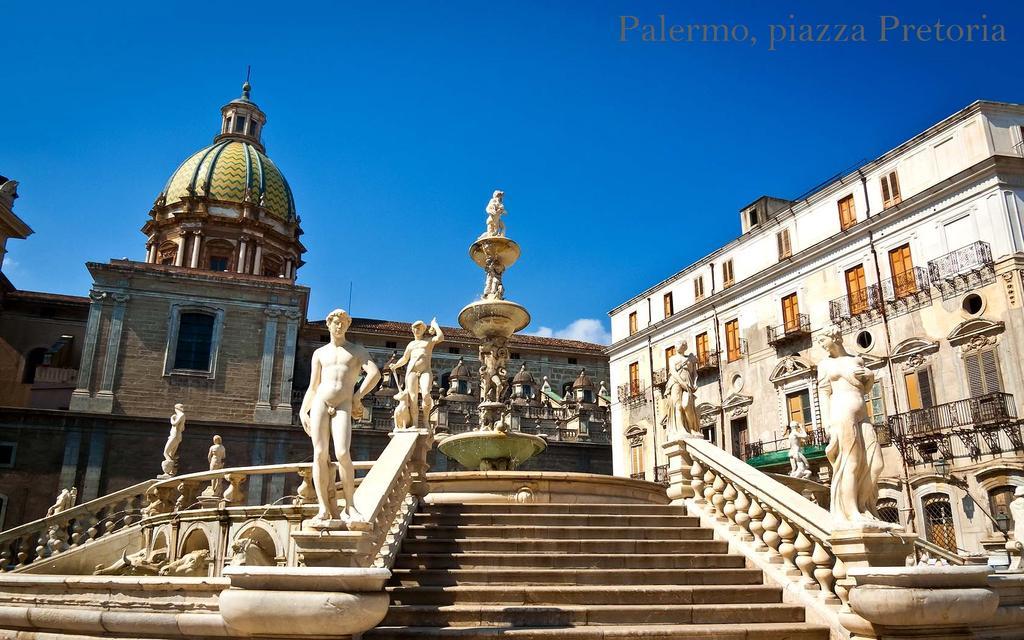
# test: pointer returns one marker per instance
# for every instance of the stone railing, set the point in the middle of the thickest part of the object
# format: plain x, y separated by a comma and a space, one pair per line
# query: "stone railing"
53, 535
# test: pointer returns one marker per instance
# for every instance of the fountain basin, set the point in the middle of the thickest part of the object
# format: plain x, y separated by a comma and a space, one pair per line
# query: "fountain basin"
500, 247
489, 319
492, 450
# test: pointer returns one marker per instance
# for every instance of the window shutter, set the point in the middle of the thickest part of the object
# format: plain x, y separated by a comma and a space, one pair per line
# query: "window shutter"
924, 382
894, 185
975, 378
885, 188
990, 371
778, 241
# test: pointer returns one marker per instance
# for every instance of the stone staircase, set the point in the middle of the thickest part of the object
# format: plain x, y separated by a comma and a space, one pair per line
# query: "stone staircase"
578, 571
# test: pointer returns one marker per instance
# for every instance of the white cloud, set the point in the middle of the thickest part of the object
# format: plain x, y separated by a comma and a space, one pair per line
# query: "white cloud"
585, 329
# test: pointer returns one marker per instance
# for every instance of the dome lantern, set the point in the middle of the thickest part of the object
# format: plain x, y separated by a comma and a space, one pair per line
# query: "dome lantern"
242, 120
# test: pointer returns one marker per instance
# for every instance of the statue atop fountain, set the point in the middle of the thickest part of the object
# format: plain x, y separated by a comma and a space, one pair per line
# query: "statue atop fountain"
493, 320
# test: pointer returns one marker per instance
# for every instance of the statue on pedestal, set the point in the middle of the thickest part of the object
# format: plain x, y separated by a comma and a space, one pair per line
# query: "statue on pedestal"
493, 288
170, 463
216, 456
1016, 546
65, 500
495, 210
326, 413
419, 376
681, 389
852, 448
799, 467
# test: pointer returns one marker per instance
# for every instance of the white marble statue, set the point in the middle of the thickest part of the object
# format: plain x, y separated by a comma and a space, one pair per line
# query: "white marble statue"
493, 288
852, 448
326, 413
419, 376
65, 500
799, 467
9, 191
681, 389
1016, 546
602, 391
170, 463
216, 456
495, 210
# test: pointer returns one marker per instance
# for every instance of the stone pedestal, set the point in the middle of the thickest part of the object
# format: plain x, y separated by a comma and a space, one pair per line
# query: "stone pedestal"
679, 463
866, 546
333, 547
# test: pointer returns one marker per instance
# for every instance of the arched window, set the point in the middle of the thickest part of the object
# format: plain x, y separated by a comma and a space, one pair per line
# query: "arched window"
195, 337
999, 500
32, 362
888, 511
938, 521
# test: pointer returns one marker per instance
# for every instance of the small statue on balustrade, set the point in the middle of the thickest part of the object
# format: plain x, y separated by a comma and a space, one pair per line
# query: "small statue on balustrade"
799, 467
65, 500
419, 375
216, 456
170, 463
681, 391
326, 414
852, 449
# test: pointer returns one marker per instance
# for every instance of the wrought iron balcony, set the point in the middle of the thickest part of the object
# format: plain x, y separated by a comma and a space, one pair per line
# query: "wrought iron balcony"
966, 268
815, 438
661, 474
707, 361
737, 352
972, 427
906, 291
659, 378
632, 394
638, 476
794, 329
858, 308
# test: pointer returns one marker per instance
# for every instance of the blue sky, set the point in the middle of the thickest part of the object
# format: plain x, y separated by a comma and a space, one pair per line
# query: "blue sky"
394, 121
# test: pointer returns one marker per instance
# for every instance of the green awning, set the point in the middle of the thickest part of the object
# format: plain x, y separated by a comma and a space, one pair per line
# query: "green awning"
782, 457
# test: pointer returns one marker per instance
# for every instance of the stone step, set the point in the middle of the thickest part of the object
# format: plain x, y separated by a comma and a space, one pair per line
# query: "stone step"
751, 631
577, 615
554, 520
438, 577
586, 595
478, 560
560, 508
530, 545
430, 532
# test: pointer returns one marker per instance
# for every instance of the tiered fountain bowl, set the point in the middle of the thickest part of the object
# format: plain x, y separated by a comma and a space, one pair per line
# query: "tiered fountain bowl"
493, 321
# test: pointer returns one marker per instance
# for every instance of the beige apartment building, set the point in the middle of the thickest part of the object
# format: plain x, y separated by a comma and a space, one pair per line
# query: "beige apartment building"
917, 255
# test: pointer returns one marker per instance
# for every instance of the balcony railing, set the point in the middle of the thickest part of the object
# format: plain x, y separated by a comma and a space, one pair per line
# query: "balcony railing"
815, 438
638, 476
661, 474
906, 291
857, 308
707, 361
736, 352
967, 267
972, 427
794, 329
632, 394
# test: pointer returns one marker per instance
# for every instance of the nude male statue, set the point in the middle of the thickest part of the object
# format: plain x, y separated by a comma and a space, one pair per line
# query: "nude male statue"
418, 375
326, 413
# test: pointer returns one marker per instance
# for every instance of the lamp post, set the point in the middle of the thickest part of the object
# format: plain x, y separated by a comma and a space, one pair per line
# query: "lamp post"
1000, 521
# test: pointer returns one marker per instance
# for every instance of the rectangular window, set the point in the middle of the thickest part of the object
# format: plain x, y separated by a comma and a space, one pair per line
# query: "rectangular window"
239, 124
515, 356
847, 213
875, 404
195, 336
7, 450
698, 288
573, 361
919, 389
252, 128
671, 351
634, 378
390, 344
857, 289
636, 461
785, 247
890, 190
702, 348
983, 373
453, 350
799, 406
669, 305
732, 340
902, 267
727, 274
218, 263
632, 323
790, 313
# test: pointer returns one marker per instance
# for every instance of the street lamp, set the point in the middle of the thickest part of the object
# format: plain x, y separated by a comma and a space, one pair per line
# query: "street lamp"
942, 467
1002, 521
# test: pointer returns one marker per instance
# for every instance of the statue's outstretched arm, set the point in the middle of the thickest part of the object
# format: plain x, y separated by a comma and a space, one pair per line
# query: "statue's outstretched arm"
438, 334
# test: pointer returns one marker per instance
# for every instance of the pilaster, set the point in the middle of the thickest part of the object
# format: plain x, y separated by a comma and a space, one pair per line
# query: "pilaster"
81, 398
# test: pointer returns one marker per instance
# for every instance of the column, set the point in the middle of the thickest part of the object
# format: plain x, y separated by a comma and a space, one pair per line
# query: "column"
92, 332
288, 269
179, 256
113, 344
197, 240
151, 253
257, 260
267, 364
291, 333
242, 246
94, 470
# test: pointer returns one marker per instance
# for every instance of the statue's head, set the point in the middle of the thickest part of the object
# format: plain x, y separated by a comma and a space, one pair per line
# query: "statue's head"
338, 322
418, 329
498, 194
217, 440
179, 407
681, 346
830, 336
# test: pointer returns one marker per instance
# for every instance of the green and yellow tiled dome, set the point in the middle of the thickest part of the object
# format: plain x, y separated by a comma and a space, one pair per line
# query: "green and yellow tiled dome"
223, 170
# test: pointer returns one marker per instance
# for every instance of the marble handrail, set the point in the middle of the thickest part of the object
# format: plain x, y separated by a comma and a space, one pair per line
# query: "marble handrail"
72, 528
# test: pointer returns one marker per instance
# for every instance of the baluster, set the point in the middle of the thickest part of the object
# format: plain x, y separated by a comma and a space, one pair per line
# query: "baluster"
697, 482
234, 494
729, 508
804, 563
756, 528
77, 531
823, 570
770, 536
742, 515
187, 490
24, 547
41, 550
709, 490
5, 560
718, 497
110, 519
786, 548
91, 531
840, 587
130, 506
